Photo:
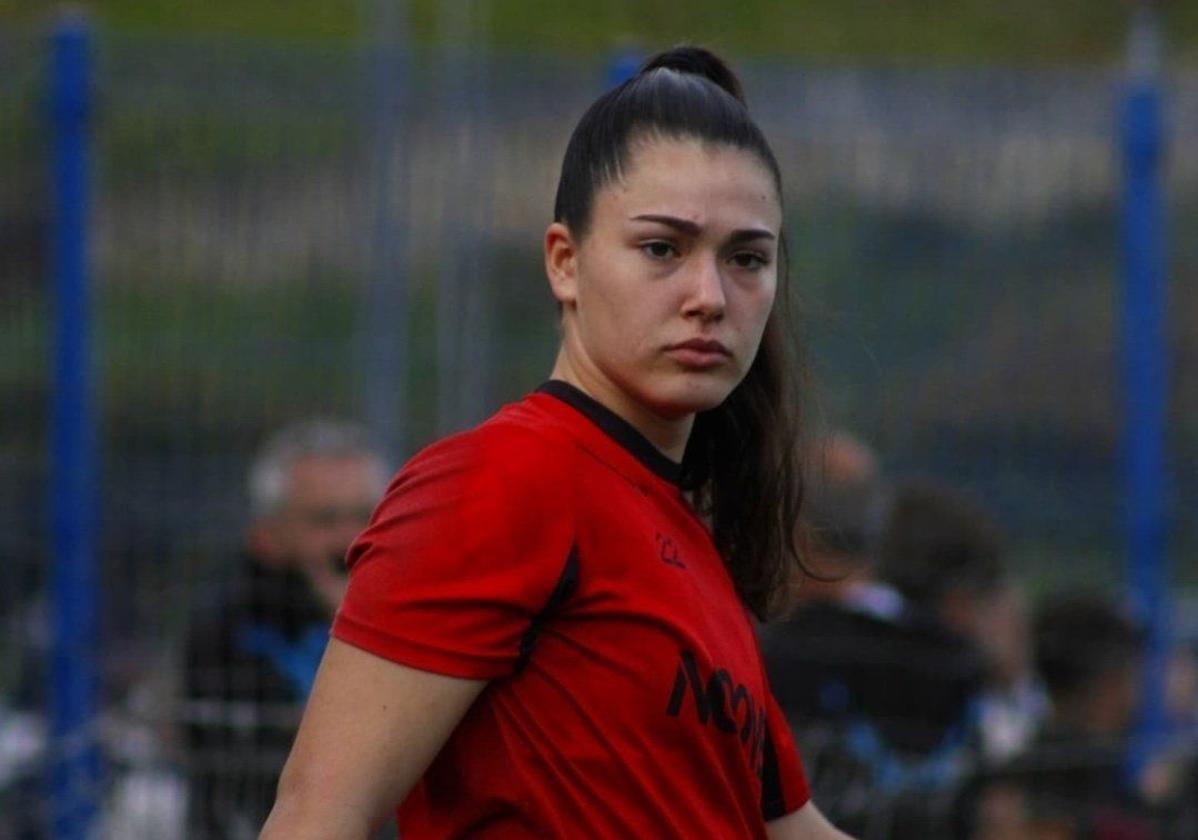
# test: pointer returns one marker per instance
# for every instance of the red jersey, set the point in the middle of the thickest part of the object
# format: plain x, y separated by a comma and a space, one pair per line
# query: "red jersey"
551, 552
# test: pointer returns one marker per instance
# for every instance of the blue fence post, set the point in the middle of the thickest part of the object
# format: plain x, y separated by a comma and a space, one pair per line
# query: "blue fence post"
622, 66
73, 767
384, 317
1145, 364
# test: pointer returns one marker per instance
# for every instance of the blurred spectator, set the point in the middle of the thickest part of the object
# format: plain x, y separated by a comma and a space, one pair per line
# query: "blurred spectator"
1072, 783
1181, 689
878, 691
841, 515
22, 757
250, 662
1088, 654
943, 552
1174, 772
23, 726
1014, 702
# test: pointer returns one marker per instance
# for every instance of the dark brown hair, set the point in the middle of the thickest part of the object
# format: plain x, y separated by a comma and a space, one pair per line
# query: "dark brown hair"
937, 539
741, 464
1080, 637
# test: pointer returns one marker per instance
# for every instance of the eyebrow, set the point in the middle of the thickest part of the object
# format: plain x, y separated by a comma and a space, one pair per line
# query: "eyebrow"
690, 228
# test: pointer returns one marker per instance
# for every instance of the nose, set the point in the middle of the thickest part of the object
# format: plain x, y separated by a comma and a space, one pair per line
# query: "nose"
705, 299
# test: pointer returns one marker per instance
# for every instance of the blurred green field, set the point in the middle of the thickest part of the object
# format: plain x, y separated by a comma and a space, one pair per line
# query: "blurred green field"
1017, 31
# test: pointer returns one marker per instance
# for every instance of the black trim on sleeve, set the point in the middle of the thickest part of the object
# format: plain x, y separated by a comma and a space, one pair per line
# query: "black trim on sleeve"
615, 427
773, 801
566, 584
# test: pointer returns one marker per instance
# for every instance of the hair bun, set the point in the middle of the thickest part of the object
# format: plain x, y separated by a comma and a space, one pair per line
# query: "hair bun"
697, 61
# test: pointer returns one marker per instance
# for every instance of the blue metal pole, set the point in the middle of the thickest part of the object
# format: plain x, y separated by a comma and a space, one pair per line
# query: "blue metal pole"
1145, 365
622, 66
74, 771
385, 302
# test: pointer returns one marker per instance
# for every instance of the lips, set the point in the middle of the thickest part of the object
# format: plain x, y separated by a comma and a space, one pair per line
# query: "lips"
702, 345
699, 353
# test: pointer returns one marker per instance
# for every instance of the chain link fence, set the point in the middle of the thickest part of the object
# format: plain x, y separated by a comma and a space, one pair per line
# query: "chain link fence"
286, 232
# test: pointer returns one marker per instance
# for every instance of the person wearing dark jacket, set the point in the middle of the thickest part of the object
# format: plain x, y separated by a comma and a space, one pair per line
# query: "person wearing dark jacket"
881, 686
1072, 782
249, 661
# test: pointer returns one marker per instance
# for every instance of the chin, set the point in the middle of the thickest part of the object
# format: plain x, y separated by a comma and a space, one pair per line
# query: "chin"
692, 395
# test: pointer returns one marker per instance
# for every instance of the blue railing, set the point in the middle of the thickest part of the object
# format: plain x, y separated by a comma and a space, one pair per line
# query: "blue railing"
1145, 364
74, 772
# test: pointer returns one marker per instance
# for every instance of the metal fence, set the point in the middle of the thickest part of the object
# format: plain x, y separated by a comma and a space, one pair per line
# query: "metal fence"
281, 232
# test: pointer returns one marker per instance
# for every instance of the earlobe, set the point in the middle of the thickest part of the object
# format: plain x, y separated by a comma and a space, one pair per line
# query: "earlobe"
561, 263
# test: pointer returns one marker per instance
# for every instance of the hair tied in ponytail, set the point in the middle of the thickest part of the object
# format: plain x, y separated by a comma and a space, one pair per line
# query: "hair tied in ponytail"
696, 61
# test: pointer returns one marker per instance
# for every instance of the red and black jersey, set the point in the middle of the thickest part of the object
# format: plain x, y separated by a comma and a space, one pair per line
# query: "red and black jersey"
551, 552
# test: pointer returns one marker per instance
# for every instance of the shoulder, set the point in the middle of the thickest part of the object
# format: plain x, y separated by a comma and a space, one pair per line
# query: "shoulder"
519, 448
507, 480
478, 517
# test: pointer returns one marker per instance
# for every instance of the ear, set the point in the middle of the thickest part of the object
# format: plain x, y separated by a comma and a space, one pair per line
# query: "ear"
561, 263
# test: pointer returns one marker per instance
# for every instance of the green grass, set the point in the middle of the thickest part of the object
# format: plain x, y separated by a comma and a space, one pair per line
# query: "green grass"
969, 31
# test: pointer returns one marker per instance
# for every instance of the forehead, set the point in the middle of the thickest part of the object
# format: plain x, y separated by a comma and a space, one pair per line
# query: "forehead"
692, 179
332, 476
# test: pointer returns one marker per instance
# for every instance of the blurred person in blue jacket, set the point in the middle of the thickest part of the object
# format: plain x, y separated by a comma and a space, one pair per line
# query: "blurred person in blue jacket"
251, 659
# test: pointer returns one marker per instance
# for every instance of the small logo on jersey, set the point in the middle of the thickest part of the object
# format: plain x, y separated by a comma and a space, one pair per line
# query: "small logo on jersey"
722, 703
667, 551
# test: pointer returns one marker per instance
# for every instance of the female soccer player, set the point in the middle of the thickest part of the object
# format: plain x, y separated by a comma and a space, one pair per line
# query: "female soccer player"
547, 632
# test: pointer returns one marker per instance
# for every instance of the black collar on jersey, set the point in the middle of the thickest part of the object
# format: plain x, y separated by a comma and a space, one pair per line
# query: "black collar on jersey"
615, 427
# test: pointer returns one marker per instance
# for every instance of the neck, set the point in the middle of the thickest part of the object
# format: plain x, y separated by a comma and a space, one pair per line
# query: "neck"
669, 435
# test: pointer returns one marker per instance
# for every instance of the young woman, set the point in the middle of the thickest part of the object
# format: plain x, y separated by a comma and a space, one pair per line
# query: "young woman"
547, 631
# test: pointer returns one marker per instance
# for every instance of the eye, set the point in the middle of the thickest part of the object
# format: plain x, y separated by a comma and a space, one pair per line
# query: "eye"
750, 260
659, 249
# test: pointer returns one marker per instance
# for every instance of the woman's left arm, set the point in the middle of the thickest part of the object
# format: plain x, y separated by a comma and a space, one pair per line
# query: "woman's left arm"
807, 823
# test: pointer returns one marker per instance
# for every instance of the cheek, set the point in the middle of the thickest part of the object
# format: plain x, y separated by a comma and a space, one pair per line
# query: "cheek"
755, 305
289, 541
310, 537
617, 314
768, 293
302, 539
624, 338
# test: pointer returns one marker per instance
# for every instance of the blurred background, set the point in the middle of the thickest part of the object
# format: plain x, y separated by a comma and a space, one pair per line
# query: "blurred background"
285, 211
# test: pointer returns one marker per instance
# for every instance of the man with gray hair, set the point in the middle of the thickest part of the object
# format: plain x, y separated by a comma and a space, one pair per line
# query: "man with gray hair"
250, 662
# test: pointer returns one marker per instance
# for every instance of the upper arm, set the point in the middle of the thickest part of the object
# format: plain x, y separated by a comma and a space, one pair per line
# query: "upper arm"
370, 729
807, 823
469, 546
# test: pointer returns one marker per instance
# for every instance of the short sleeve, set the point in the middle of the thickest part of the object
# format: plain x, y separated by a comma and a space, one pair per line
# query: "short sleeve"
784, 787
466, 550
